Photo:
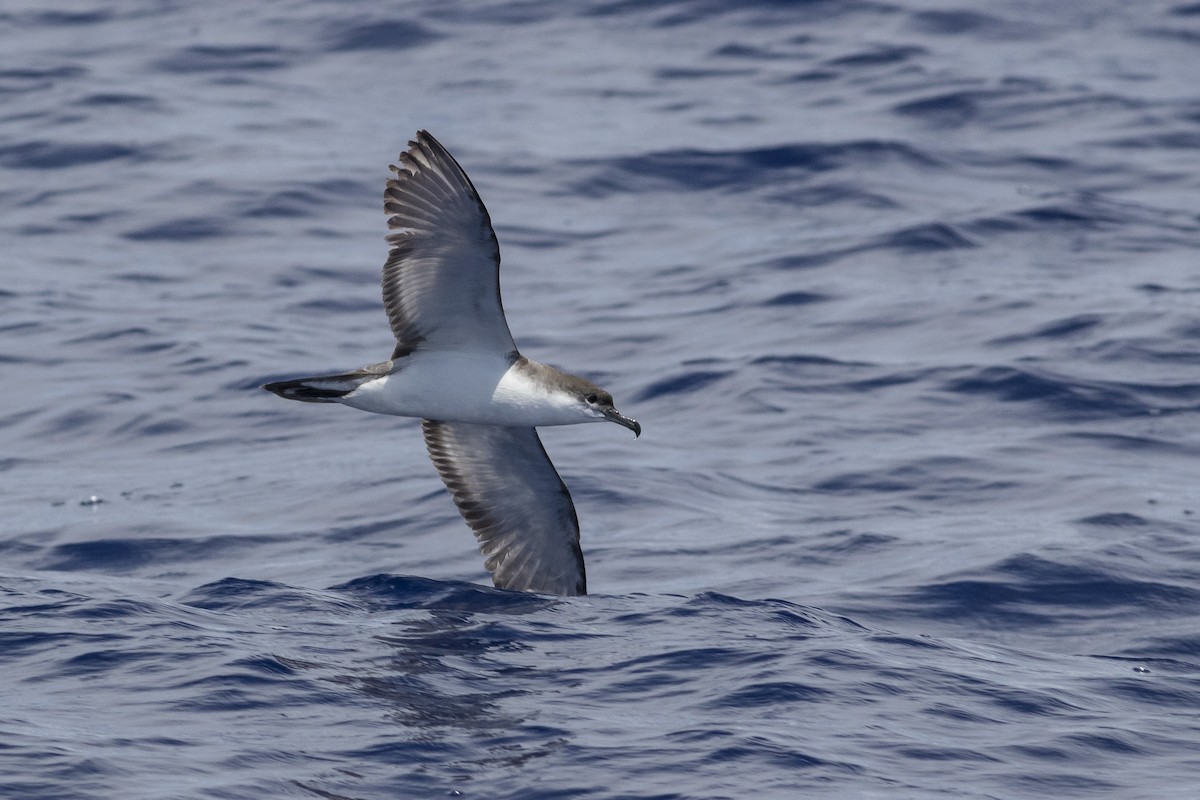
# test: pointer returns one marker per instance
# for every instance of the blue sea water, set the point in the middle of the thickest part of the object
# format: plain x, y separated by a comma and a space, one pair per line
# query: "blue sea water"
904, 294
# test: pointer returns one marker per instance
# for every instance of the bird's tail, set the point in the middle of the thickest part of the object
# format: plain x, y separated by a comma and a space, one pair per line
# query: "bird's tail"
320, 389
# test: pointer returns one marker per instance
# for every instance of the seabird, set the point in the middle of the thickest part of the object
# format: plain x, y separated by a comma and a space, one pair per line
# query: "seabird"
457, 367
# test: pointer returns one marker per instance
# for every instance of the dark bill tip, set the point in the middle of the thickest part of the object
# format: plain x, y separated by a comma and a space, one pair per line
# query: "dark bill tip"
614, 416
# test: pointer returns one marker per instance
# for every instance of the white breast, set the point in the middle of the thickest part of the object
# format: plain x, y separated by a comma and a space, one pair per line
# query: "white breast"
472, 388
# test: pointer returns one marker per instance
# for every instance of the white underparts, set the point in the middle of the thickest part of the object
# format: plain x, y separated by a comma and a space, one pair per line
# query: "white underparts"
480, 389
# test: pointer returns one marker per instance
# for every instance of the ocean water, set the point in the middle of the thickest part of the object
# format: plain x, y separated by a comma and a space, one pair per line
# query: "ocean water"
903, 293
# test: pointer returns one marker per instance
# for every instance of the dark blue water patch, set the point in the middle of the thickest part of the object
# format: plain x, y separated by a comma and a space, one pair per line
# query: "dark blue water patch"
1164, 653
1066, 328
340, 305
124, 555
228, 688
108, 335
792, 615
1187, 330
106, 662
1042, 582
931, 479
143, 425
1170, 140
58, 155
351, 533
1088, 211
789, 361
33, 73
748, 51
700, 170
927, 238
675, 13
826, 194
294, 200
1062, 217
812, 76
185, 229
70, 423
810, 259
944, 753
975, 24
847, 544
455, 632
1129, 442
92, 219
774, 694
858, 482
1119, 519
1030, 702
1104, 745
949, 109
544, 239
104, 651
225, 58
1186, 10
201, 365
392, 592
299, 276
1066, 397
6, 358
147, 278
271, 665
1027, 590
216, 694
123, 100
39, 230
416, 703
681, 384
674, 667
59, 18
883, 381
1184, 35
881, 55
770, 754
35, 82
234, 593
51, 788
700, 74
930, 237
16, 645
1160, 694
391, 34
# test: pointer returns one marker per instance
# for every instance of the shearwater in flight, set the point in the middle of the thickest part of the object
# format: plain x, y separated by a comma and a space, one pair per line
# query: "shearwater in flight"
456, 367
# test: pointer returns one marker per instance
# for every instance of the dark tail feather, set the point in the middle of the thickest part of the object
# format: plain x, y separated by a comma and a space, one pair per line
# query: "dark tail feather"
323, 389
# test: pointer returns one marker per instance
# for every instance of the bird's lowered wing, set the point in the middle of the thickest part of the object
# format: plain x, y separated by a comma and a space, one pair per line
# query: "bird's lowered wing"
512, 497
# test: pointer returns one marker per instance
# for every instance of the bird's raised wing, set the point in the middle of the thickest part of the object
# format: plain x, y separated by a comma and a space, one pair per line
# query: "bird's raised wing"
441, 282
511, 496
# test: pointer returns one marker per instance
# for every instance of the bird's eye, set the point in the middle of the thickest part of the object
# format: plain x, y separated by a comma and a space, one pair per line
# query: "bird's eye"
591, 398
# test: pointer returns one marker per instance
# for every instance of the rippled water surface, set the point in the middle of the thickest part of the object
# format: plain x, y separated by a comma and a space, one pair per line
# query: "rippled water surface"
904, 295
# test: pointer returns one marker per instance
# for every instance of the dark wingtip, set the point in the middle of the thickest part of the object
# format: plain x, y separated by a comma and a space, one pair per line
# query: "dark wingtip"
299, 390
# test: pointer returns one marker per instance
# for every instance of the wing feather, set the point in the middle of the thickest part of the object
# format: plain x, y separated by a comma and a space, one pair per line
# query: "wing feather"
514, 500
441, 282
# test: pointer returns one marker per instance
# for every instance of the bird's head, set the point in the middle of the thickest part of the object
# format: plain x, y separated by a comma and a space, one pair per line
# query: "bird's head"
598, 404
